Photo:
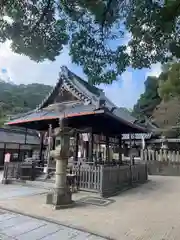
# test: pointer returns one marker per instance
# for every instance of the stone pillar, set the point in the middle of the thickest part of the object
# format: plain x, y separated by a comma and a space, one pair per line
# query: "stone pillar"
60, 196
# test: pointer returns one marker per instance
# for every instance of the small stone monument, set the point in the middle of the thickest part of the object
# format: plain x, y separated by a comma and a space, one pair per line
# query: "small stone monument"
60, 196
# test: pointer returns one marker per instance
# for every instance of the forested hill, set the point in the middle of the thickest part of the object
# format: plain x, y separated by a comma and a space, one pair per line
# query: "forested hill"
160, 101
20, 98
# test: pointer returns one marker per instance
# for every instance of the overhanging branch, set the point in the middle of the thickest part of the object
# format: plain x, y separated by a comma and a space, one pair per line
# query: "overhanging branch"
45, 11
105, 15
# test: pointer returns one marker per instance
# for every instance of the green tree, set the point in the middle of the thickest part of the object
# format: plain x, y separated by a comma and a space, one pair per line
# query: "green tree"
148, 100
169, 83
20, 98
40, 29
154, 26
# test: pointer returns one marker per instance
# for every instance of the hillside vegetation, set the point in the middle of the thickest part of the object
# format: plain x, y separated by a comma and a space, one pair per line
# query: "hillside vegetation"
160, 101
21, 98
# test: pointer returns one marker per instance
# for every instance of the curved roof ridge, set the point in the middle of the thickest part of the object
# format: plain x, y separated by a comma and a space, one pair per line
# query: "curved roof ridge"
51, 94
78, 84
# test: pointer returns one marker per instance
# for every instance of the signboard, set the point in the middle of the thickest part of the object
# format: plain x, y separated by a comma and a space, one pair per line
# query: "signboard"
7, 157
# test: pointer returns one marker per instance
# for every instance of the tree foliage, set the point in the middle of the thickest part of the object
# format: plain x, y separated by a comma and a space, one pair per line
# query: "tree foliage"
161, 100
148, 100
169, 82
94, 32
16, 99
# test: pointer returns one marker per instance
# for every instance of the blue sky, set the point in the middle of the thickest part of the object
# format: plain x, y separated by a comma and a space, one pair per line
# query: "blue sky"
21, 69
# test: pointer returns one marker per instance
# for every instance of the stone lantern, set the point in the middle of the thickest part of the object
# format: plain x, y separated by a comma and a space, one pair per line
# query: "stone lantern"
60, 196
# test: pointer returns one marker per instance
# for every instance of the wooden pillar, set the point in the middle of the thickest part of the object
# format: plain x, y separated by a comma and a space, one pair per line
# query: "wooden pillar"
41, 148
120, 149
25, 140
19, 150
130, 146
53, 143
107, 149
76, 147
91, 144
49, 146
87, 149
4, 152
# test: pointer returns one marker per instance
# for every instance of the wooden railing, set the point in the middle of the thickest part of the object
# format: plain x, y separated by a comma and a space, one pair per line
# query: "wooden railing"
116, 178
161, 156
104, 179
89, 177
162, 162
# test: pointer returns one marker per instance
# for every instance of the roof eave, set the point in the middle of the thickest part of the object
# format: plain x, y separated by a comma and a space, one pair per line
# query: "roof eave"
60, 116
132, 125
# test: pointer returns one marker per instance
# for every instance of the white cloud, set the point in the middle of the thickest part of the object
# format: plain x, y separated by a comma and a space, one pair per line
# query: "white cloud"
155, 70
125, 92
22, 70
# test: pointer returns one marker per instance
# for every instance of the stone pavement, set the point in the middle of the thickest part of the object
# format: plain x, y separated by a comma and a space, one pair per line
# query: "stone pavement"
15, 226
14, 191
148, 212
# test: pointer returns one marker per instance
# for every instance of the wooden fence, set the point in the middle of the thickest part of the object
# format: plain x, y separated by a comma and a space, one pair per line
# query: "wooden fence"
161, 156
89, 177
117, 178
104, 179
162, 162
11, 171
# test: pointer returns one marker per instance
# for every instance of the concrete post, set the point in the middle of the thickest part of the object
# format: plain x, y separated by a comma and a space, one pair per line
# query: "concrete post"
60, 196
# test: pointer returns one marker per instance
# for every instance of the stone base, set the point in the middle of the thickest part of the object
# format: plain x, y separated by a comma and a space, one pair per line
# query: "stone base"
59, 200
6, 181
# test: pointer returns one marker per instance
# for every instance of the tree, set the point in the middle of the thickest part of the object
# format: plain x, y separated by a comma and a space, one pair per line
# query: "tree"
154, 26
148, 100
161, 100
169, 85
21, 98
167, 116
94, 30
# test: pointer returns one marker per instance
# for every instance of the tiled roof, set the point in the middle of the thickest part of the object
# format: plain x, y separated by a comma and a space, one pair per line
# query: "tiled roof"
125, 114
82, 90
55, 113
79, 82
